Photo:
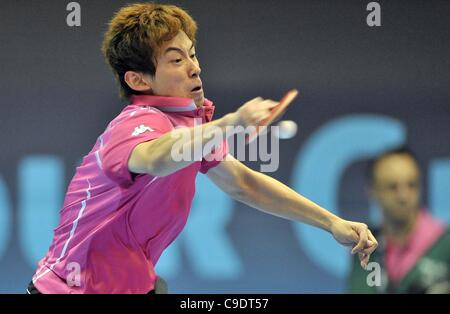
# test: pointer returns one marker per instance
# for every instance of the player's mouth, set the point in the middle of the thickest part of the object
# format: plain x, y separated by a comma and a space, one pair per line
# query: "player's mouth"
197, 90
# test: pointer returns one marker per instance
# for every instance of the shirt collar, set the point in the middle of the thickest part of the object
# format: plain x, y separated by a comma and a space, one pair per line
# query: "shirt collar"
425, 230
175, 104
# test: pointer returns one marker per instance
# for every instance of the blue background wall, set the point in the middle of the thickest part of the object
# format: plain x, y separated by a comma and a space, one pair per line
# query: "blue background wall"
362, 90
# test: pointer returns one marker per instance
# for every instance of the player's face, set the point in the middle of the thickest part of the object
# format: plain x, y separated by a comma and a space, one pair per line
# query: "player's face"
396, 187
178, 71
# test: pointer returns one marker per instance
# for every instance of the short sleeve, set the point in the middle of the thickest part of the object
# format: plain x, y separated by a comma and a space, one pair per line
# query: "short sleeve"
124, 135
215, 157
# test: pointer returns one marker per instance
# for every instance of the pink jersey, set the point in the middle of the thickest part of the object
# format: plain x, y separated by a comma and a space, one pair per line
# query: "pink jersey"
114, 225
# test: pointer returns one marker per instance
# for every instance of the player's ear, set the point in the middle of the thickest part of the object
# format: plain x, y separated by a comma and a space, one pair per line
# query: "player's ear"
138, 81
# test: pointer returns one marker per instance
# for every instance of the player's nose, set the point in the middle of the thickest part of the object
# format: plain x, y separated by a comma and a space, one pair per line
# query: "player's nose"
194, 70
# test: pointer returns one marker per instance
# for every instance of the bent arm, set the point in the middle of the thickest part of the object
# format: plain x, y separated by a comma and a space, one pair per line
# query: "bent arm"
161, 157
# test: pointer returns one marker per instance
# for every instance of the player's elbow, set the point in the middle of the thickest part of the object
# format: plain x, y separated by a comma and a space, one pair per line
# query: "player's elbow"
153, 167
146, 161
242, 189
159, 168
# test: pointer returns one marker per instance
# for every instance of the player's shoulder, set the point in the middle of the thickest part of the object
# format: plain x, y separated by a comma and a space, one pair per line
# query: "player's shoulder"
132, 114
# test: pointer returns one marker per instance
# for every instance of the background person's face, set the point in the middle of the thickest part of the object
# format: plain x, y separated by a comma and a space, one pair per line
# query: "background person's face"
178, 71
396, 187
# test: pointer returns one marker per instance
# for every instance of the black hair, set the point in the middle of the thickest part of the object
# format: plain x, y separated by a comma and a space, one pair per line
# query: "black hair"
402, 150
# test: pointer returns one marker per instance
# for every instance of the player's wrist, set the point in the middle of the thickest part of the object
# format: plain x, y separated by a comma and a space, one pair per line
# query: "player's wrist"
332, 221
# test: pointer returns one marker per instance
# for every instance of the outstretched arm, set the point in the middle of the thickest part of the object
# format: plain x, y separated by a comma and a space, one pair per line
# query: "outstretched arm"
271, 196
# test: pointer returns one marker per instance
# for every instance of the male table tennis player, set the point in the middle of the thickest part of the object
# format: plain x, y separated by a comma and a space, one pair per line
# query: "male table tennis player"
129, 199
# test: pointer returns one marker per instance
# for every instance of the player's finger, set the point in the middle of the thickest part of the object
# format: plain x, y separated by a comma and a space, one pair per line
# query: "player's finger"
372, 243
368, 250
257, 117
370, 246
364, 259
268, 104
256, 99
372, 238
362, 233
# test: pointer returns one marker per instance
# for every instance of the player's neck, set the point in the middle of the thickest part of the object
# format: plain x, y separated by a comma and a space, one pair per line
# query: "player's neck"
398, 232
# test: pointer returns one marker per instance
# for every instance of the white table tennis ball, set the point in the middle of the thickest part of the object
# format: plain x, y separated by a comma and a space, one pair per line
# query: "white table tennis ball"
286, 129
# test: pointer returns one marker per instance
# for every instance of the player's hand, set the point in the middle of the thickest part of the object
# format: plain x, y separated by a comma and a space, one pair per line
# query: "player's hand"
356, 235
253, 112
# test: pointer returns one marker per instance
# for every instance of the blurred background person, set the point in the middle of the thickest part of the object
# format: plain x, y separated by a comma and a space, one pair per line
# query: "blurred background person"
414, 247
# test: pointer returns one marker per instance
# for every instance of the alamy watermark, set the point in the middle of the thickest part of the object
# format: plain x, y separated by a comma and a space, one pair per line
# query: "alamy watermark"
74, 17
373, 279
73, 278
374, 17
237, 137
